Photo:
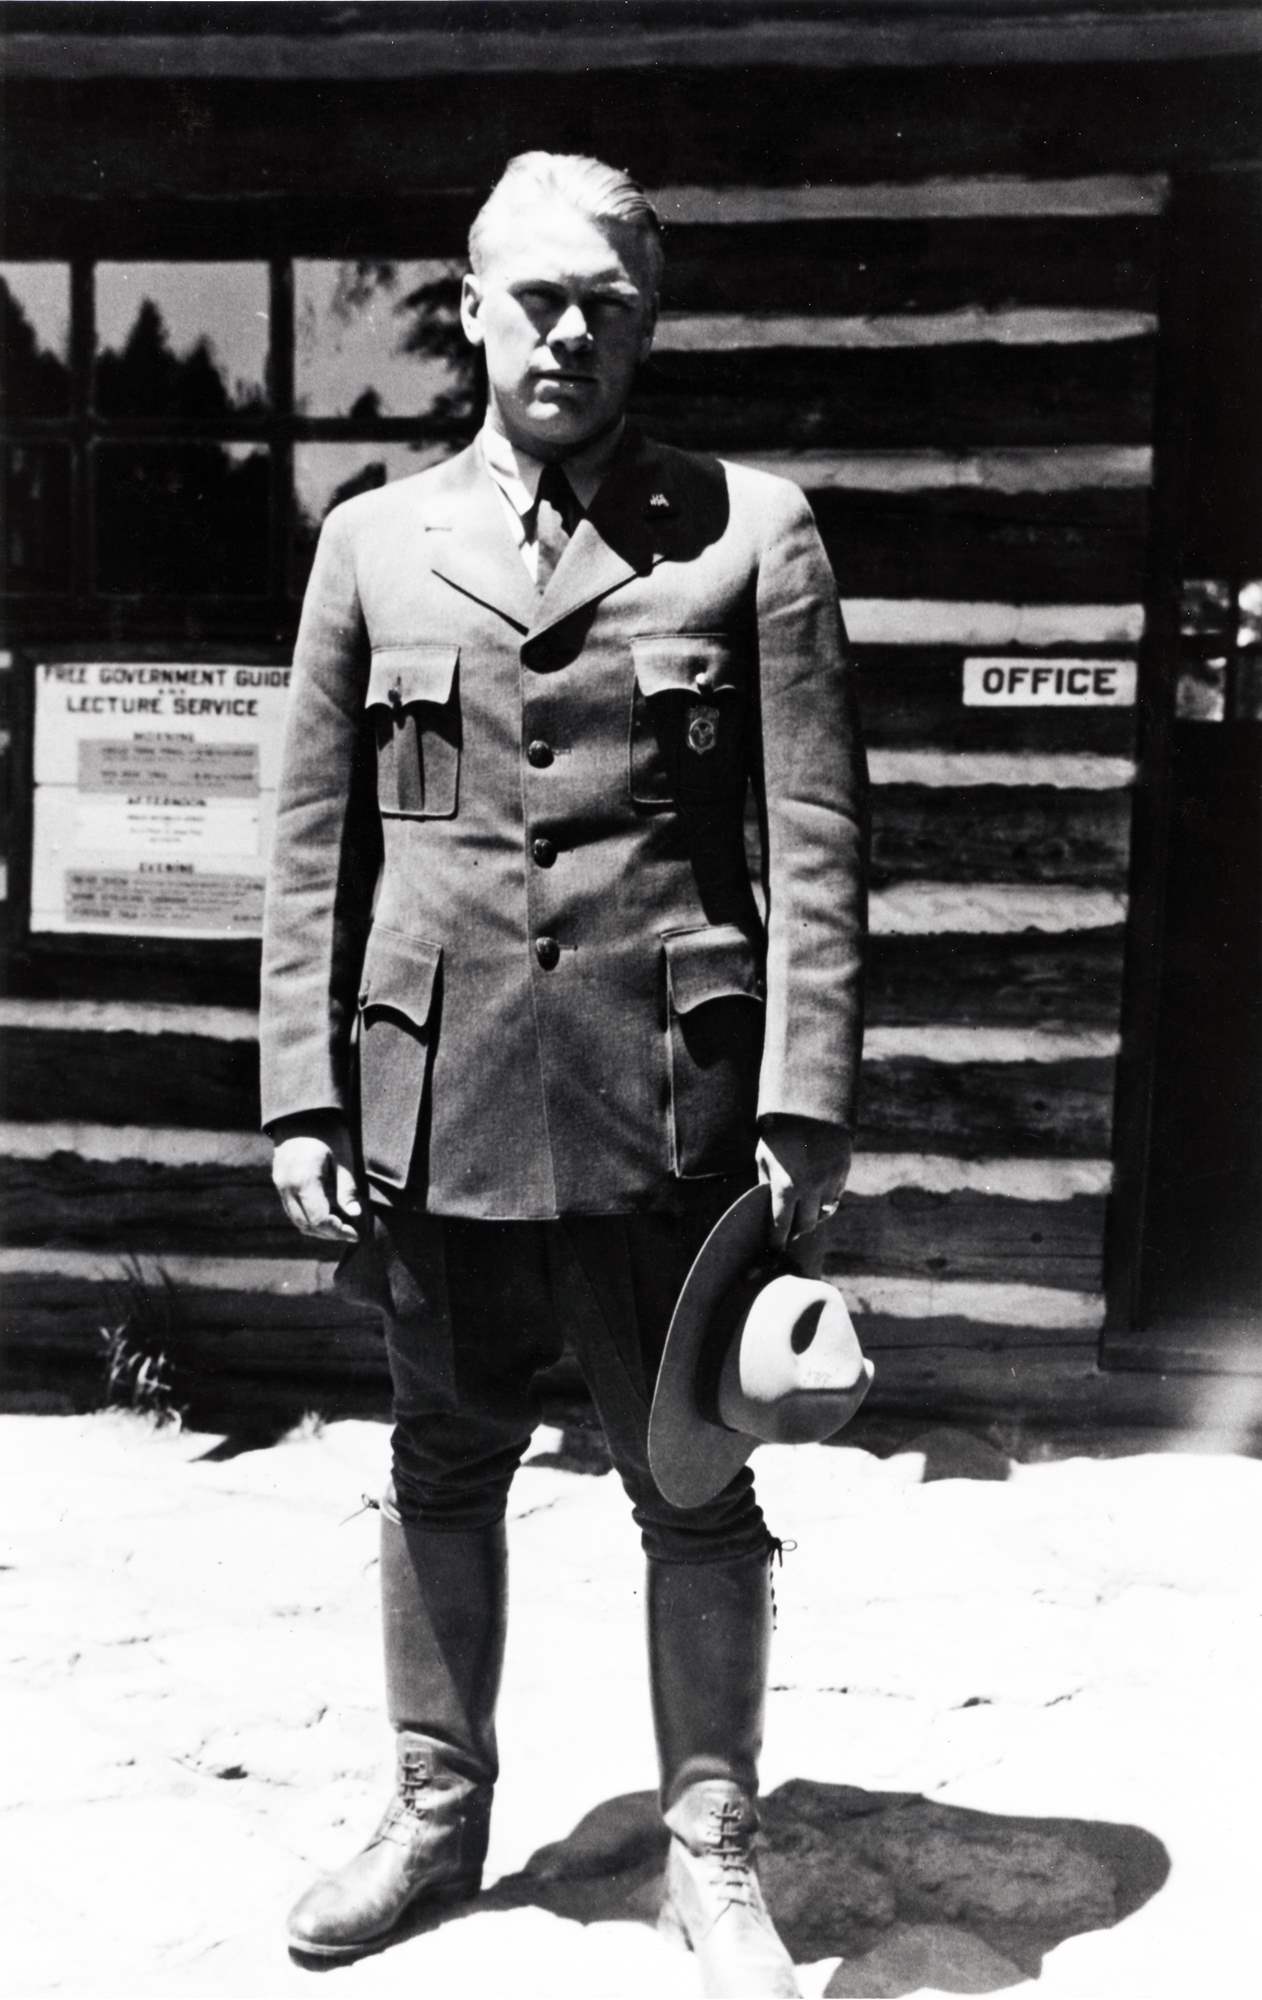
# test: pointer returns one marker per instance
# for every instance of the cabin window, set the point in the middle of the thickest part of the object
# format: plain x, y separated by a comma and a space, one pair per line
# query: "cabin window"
174, 431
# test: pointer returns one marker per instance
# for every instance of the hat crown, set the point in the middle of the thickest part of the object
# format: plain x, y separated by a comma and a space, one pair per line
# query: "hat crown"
791, 1370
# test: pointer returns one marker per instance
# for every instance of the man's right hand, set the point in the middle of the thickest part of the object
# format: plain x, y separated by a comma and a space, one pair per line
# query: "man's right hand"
313, 1173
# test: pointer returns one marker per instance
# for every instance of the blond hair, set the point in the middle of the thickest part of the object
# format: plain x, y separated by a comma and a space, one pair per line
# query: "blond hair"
603, 194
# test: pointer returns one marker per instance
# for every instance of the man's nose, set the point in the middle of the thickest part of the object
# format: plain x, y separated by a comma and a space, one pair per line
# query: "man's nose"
571, 330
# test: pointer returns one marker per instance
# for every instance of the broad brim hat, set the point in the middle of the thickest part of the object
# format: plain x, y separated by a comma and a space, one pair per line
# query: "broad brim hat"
756, 1354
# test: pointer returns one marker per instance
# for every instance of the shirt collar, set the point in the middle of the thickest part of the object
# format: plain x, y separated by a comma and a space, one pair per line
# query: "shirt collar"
517, 473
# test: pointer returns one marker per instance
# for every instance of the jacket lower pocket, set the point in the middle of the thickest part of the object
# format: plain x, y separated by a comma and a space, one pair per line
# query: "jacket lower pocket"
397, 1021
715, 1028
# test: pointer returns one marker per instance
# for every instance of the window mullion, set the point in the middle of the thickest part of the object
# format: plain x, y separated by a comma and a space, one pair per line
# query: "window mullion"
281, 398
82, 357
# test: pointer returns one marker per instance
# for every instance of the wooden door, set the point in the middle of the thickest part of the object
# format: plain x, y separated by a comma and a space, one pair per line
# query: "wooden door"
1197, 1294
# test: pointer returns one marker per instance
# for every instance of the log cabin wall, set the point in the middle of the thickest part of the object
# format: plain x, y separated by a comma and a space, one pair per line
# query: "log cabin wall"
922, 278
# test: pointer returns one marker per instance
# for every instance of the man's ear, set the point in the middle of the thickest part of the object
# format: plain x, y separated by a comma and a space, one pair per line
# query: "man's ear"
650, 328
471, 309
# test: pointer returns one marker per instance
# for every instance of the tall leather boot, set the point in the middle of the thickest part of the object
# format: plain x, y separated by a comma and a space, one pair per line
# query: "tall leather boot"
443, 1600
709, 1630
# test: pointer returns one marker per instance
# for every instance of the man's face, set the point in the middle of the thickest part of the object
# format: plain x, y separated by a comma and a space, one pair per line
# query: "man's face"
564, 310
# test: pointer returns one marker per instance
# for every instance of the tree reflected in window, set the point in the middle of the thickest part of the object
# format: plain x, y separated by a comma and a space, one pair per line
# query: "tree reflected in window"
378, 338
34, 339
181, 340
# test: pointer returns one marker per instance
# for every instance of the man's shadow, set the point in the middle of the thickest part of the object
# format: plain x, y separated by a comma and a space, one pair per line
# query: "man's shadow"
908, 1892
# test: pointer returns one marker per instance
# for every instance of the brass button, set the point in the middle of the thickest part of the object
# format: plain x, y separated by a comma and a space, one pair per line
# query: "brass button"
548, 952
544, 851
539, 754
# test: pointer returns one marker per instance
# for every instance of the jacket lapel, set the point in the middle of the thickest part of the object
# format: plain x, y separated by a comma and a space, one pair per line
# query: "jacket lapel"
615, 540
468, 544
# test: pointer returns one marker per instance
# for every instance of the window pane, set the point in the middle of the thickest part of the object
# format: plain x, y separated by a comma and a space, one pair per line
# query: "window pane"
327, 473
381, 339
181, 340
178, 520
36, 547
34, 339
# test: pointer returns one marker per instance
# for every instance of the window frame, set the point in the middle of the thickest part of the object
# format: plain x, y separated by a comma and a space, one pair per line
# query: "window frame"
46, 625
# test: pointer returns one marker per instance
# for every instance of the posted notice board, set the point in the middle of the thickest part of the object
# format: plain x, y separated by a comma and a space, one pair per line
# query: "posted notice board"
155, 785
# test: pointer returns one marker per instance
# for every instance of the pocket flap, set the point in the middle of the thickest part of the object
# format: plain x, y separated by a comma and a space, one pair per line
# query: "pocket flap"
425, 671
400, 974
696, 663
716, 963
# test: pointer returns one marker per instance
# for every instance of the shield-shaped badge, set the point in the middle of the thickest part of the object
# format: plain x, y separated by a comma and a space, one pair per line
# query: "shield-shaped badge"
703, 729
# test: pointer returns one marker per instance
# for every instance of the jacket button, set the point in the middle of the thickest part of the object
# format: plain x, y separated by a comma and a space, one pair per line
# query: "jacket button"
539, 754
547, 951
544, 852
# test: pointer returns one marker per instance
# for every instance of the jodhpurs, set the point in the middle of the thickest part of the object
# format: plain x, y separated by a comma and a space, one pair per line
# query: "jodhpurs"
474, 1310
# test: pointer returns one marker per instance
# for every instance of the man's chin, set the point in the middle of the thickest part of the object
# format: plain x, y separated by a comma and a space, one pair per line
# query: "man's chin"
552, 429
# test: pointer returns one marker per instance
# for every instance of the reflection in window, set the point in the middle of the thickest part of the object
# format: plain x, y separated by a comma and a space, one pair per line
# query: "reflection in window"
382, 339
1248, 689
36, 545
176, 520
324, 474
181, 340
35, 339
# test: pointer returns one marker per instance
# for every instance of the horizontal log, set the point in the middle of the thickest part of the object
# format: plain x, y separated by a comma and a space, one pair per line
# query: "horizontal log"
173, 138
909, 696
937, 198
969, 1108
967, 1236
1058, 980
951, 770
126, 1078
974, 1108
60, 1147
1019, 470
997, 834
62, 1320
961, 326
392, 42
1051, 1388
946, 908
64, 1202
986, 623
959, 543
889, 265
940, 396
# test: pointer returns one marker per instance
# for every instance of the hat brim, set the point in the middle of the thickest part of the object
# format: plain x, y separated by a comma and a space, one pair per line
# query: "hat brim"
692, 1456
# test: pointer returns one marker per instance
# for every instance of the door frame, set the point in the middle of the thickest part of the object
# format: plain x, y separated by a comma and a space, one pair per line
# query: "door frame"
1146, 932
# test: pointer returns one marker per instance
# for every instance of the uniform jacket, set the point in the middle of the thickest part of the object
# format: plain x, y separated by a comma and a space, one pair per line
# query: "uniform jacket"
511, 929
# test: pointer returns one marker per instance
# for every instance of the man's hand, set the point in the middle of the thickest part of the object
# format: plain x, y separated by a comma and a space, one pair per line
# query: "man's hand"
805, 1162
312, 1171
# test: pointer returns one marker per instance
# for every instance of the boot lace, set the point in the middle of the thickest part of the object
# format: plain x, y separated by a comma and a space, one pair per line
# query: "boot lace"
776, 1550
729, 1850
412, 1799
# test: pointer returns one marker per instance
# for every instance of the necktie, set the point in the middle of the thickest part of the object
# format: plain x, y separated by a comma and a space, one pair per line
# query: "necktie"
557, 514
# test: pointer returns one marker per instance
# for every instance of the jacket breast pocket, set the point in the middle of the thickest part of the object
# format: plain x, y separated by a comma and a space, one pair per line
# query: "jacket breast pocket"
715, 1024
397, 1021
416, 717
687, 718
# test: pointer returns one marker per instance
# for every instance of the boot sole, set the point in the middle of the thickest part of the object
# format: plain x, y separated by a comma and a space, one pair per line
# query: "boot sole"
411, 1920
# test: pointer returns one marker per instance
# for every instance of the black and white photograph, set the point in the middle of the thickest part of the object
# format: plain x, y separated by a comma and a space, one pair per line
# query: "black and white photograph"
631, 1022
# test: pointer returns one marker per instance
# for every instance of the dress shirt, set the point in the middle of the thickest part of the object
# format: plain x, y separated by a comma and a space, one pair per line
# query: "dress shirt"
516, 475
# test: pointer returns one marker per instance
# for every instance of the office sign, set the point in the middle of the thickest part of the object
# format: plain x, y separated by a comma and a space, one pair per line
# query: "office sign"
1010, 682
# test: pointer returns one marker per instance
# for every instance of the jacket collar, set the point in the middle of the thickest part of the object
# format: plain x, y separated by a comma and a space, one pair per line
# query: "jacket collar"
469, 545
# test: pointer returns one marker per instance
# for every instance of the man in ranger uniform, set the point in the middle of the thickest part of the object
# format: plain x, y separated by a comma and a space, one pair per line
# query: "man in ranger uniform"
526, 1031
